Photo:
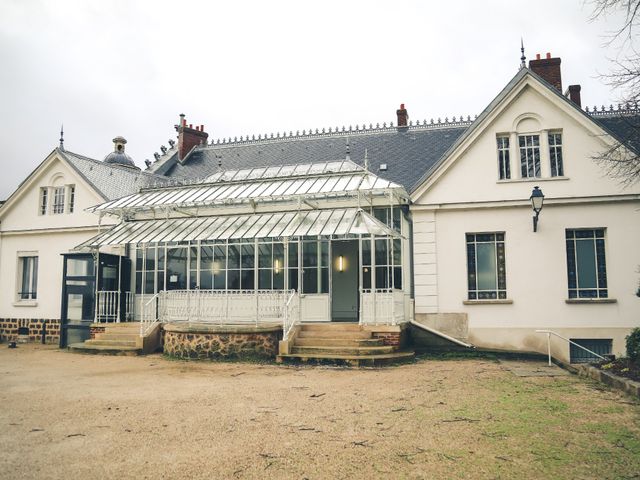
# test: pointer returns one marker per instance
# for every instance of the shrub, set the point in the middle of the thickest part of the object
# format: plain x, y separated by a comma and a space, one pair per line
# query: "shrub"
633, 345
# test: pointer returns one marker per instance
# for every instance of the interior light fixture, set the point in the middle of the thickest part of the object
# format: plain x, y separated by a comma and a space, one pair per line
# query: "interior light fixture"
276, 266
341, 263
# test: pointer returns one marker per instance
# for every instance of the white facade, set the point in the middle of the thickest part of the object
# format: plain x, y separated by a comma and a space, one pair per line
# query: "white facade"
26, 231
465, 195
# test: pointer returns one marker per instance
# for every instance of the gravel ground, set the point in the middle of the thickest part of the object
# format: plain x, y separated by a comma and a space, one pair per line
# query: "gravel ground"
66, 415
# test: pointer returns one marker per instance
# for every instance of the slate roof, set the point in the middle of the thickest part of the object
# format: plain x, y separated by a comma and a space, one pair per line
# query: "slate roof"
111, 181
408, 152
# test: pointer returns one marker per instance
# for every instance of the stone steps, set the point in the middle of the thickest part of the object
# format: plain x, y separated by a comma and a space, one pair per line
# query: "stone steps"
338, 342
117, 339
340, 350
353, 360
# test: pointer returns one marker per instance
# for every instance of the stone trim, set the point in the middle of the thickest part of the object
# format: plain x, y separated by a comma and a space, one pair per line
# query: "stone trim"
9, 328
619, 383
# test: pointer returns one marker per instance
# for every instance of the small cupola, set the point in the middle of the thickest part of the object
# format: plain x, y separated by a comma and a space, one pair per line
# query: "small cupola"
118, 156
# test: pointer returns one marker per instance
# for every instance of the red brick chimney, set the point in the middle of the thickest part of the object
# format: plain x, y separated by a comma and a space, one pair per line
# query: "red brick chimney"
548, 68
189, 137
403, 116
573, 92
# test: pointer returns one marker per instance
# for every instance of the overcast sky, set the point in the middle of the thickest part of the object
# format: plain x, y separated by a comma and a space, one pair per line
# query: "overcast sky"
107, 68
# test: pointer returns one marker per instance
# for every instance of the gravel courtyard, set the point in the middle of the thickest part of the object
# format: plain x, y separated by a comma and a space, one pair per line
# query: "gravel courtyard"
73, 416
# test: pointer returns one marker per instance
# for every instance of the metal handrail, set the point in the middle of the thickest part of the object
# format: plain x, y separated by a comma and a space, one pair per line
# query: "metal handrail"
549, 333
146, 324
288, 325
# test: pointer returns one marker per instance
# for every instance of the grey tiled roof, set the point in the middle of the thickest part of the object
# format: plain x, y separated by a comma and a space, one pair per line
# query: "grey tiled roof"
111, 181
408, 152
411, 154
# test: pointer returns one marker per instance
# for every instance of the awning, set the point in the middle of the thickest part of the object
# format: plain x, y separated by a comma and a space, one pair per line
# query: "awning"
340, 222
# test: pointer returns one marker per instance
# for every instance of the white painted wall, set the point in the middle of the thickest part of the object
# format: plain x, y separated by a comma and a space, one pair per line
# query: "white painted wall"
467, 197
23, 229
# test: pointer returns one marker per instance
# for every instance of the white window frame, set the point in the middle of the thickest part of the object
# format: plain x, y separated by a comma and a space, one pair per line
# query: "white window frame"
529, 150
32, 280
58, 200
504, 157
555, 152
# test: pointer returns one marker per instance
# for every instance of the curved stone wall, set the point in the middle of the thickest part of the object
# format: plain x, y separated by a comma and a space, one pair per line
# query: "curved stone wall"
214, 342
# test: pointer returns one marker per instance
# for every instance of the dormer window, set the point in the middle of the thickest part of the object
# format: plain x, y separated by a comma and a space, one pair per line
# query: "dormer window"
529, 155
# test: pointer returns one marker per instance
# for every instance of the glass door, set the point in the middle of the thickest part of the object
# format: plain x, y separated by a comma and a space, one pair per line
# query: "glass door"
78, 298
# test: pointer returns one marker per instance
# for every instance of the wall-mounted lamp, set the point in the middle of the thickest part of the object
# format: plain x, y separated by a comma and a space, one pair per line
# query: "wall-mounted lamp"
341, 263
537, 199
276, 266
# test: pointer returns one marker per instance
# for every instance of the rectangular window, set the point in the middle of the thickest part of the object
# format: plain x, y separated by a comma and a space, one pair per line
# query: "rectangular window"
315, 266
72, 197
486, 271
601, 346
44, 199
586, 265
241, 266
529, 155
555, 154
28, 278
270, 265
503, 158
58, 200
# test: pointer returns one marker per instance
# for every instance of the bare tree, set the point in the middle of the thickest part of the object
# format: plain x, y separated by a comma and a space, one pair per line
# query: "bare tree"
622, 160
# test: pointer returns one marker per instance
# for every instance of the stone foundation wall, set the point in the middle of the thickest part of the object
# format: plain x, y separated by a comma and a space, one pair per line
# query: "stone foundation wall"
391, 336
10, 328
220, 345
95, 329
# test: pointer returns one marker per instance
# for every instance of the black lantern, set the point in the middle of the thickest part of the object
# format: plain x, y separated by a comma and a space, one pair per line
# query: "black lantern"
537, 199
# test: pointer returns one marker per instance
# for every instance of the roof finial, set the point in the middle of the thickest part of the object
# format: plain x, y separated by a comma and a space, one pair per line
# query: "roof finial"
62, 137
348, 155
366, 160
523, 59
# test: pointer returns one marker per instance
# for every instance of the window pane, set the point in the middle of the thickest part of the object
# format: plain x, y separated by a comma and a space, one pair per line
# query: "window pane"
150, 261
148, 282
309, 254
381, 252
397, 277
486, 262
264, 279
293, 279
366, 277
78, 268
324, 278
248, 256
278, 280
233, 277
585, 252
366, 252
310, 280
247, 280
382, 277
397, 251
293, 254
234, 256
265, 252
206, 258
219, 280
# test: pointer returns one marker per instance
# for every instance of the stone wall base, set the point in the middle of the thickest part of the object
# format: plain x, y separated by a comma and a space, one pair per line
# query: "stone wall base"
10, 330
202, 343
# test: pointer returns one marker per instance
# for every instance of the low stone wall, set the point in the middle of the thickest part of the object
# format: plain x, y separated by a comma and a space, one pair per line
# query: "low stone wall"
10, 330
214, 342
624, 384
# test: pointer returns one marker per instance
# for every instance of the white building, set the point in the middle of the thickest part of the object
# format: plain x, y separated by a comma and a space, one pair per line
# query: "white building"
380, 225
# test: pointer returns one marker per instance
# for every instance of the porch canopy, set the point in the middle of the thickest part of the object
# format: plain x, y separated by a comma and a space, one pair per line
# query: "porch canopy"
329, 222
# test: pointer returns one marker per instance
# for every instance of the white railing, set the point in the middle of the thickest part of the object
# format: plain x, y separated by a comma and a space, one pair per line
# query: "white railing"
291, 314
224, 307
549, 333
149, 314
382, 306
110, 306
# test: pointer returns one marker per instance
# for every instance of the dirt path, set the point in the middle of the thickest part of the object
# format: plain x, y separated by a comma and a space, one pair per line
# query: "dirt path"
64, 415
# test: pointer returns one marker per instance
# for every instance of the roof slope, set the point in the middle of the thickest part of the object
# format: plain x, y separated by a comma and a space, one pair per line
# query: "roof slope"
111, 181
408, 152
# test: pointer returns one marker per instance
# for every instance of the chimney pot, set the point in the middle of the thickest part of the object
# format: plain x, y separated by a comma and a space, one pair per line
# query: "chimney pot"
191, 125
537, 56
548, 55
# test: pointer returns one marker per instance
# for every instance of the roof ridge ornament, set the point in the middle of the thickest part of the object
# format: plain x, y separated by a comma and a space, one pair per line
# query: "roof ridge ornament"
523, 58
62, 137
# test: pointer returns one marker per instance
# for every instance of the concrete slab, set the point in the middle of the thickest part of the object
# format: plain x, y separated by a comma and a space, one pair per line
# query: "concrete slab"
533, 369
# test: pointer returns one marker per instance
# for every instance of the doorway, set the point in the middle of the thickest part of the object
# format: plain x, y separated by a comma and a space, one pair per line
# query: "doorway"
344, 281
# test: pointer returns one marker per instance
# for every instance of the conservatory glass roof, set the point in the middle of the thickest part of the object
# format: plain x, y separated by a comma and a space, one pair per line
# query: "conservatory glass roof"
339, 222
311, 181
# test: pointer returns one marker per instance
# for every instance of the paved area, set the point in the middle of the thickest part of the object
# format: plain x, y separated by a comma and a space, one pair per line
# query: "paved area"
76, 416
